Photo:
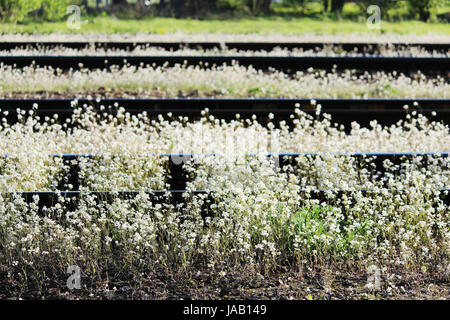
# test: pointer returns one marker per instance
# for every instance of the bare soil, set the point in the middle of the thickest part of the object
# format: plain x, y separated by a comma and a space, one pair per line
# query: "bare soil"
203, 286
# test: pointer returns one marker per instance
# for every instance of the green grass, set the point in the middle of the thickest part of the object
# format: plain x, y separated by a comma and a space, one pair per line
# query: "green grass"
242, 25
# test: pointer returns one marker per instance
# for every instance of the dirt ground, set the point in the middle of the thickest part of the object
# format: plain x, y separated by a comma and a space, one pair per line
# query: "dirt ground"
201, 286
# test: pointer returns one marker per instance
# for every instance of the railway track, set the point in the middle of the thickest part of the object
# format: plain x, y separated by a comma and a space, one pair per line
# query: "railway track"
371, 203
343, 111
359, 47
427, 65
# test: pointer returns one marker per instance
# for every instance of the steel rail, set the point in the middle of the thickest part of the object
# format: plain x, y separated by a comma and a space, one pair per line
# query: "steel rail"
179, 197
342, 111
254, 46
428, 65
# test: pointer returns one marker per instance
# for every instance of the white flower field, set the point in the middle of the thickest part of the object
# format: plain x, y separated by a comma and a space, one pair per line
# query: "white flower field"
260, 200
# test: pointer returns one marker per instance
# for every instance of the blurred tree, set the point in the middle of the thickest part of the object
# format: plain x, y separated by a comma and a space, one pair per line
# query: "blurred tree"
56, 9
187, 8
17, 10
337, 6
238, 6
259, 7
422, 8
119, 2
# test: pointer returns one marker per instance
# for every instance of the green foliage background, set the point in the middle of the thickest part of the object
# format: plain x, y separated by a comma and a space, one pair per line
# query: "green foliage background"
14, 11
17, 10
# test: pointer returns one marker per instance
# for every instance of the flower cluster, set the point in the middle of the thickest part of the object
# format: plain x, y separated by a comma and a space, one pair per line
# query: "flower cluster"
147, 50
222, 81
321, 206
260, 212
